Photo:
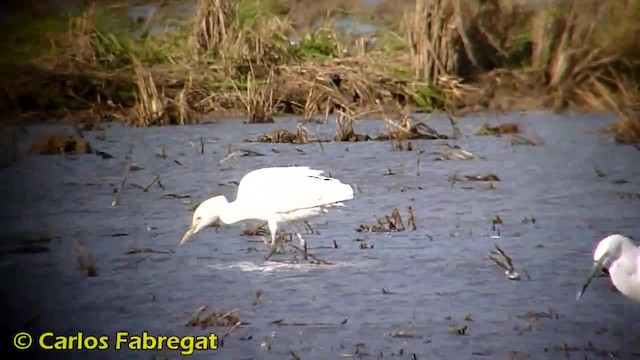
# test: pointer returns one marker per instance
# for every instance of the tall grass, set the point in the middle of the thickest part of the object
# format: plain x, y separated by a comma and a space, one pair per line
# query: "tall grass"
249, 55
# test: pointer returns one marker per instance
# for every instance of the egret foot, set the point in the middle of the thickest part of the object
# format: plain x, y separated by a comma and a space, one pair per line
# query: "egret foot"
272, 250
278, 247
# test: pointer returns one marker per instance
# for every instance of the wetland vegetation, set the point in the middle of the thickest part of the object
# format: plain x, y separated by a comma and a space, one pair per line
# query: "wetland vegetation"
183, 62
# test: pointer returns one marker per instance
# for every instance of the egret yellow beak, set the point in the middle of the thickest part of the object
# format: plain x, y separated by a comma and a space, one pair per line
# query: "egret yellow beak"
189, 233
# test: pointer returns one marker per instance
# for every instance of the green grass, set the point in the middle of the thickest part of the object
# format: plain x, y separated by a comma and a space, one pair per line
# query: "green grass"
25, 41
321, 44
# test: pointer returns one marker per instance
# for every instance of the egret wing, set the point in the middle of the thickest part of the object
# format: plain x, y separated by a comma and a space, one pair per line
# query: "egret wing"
286, 191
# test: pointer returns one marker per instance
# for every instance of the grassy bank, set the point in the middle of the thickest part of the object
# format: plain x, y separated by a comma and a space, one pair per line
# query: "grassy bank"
262, 58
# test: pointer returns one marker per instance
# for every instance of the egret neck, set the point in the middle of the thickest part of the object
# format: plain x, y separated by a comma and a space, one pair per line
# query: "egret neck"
234, 212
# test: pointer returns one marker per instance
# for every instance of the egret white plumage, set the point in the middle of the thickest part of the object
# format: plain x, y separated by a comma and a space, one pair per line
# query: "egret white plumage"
621, 257
289, 194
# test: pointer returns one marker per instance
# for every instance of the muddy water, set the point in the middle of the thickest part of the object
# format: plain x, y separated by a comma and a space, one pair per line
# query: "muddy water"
436, 275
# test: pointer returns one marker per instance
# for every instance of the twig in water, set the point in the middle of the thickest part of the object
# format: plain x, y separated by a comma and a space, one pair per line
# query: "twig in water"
504, 261
317, 260
116, 198
258, 299
145, 251
240, 152
201, 146
84, 258
155, 179
412, 219
309, 228
454, 125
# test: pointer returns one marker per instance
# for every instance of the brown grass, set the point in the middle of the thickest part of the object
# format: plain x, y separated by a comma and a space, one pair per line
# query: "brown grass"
56, 144
150, 107
454, 54
627, 130
431, 36
212, 24
258, 101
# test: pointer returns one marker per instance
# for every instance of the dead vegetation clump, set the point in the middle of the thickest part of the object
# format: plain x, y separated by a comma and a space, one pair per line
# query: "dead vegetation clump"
390, 223
228, 319
627, 130
56, 144
500, 129
262, 230
409, 129
283, 136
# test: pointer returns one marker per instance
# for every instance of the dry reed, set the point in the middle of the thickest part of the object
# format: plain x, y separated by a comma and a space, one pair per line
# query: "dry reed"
430, 30
150, 106
212, 22
258, 101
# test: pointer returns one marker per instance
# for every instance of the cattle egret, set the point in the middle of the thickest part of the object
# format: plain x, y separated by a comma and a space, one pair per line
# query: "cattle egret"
621, 257
276, 195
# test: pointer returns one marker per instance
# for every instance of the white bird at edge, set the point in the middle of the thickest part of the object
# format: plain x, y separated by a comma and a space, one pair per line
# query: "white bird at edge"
621, 257
276, 195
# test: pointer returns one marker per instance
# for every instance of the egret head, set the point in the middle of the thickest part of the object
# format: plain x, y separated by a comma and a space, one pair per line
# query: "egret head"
607, 251
206, 214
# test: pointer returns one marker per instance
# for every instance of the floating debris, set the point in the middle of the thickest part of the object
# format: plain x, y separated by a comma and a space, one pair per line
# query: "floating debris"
240, 153
455, 152
146, 251
488, 177
25, 245
134, 167
345, 131
26, 249
504, 261
228, 319
390, 223
408, 130
453, 179
84, 258
103, 154
360, 352
283, 136
403, 334
125, 177
497, 220
258, 299
504, 128
255, 230
59, 144
529, 220
518, 139
176, 196
458, 330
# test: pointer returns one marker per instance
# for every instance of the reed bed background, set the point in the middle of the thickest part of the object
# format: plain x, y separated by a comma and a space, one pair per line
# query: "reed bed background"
258, 60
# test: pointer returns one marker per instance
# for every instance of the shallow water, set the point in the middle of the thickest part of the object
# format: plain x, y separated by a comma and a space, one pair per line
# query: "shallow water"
437, 274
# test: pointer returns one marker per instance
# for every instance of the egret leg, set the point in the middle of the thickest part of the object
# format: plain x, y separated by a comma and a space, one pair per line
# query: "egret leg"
303, 243
273, 227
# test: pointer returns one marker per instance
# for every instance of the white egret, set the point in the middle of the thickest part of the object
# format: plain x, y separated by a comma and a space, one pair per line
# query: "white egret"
621, 257
290, 195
